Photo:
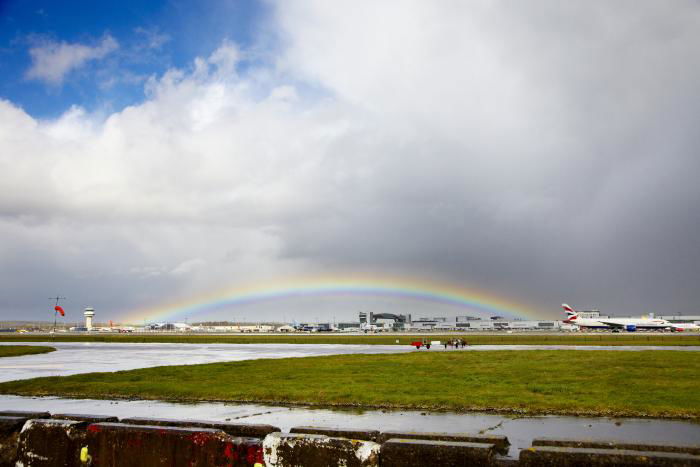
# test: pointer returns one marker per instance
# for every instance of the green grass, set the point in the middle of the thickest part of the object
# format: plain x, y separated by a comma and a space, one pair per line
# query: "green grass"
386, 339
601, 383
19, 350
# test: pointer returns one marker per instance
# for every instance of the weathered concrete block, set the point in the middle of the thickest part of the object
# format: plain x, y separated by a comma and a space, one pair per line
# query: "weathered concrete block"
617, 444
233, 429
501, 443
10, 428
350, 433
118, 444
48, 442
290, 449
24, 413
420, 452
85, 417
585, 457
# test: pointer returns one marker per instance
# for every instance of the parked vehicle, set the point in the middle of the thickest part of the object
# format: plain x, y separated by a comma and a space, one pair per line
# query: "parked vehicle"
422, 343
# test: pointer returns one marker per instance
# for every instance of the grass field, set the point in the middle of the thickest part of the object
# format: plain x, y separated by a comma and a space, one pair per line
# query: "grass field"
653, 383
19, 350
386, 339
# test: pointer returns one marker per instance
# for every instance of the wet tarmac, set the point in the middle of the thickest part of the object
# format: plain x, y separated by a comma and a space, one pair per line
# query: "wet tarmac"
85, 357
519, 430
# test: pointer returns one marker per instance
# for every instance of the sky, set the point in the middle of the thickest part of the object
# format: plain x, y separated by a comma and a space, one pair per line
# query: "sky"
155, 154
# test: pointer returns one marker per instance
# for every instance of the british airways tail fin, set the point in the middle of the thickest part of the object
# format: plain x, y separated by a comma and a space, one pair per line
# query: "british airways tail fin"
569, 310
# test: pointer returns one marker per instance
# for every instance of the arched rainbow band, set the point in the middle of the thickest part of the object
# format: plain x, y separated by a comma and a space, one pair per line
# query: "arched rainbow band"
367, 286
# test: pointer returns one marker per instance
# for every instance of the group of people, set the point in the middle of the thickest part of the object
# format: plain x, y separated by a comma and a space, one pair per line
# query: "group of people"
456, 343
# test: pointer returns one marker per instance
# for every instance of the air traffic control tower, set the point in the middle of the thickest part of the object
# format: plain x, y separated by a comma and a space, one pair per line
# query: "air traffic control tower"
89, 313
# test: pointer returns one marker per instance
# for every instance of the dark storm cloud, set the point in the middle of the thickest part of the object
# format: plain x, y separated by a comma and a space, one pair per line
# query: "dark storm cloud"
580, 188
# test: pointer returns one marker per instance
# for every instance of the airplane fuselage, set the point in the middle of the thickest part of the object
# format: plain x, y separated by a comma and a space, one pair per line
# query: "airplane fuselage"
620, 323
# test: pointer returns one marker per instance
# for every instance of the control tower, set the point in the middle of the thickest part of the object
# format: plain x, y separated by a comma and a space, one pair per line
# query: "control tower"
89, 313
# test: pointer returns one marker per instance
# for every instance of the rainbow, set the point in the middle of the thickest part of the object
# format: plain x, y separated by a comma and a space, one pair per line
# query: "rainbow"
398, 288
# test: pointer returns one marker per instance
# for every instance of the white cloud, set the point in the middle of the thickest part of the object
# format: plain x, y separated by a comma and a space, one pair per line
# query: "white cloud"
192, 172
52, 61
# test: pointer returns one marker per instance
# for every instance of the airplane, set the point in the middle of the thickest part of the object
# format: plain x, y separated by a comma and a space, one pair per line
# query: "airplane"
628, 324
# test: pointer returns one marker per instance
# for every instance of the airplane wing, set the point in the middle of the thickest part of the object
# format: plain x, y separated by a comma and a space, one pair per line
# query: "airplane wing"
612, 325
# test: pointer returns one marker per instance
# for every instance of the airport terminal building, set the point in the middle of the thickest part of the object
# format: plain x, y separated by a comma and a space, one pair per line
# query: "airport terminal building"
393, 322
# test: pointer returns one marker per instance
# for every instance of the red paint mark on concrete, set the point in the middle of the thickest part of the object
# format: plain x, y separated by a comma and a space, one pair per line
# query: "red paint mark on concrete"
230, 453
255, 455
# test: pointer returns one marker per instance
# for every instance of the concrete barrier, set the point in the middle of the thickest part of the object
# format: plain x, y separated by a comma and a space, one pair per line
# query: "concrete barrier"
49, 442
233, 429
84, 439
290, 449
24, 413
420, 452
615, 444
500, 443
85, 418
546, 456
10, 428
124, 445
350, 433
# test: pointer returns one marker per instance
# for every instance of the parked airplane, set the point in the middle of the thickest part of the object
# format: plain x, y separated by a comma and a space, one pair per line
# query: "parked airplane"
628, 324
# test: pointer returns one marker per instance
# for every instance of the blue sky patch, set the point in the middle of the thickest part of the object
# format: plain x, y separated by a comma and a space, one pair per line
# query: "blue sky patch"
98, 55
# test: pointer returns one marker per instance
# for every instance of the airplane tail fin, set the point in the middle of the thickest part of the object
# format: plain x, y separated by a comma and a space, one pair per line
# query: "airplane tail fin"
571, 314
